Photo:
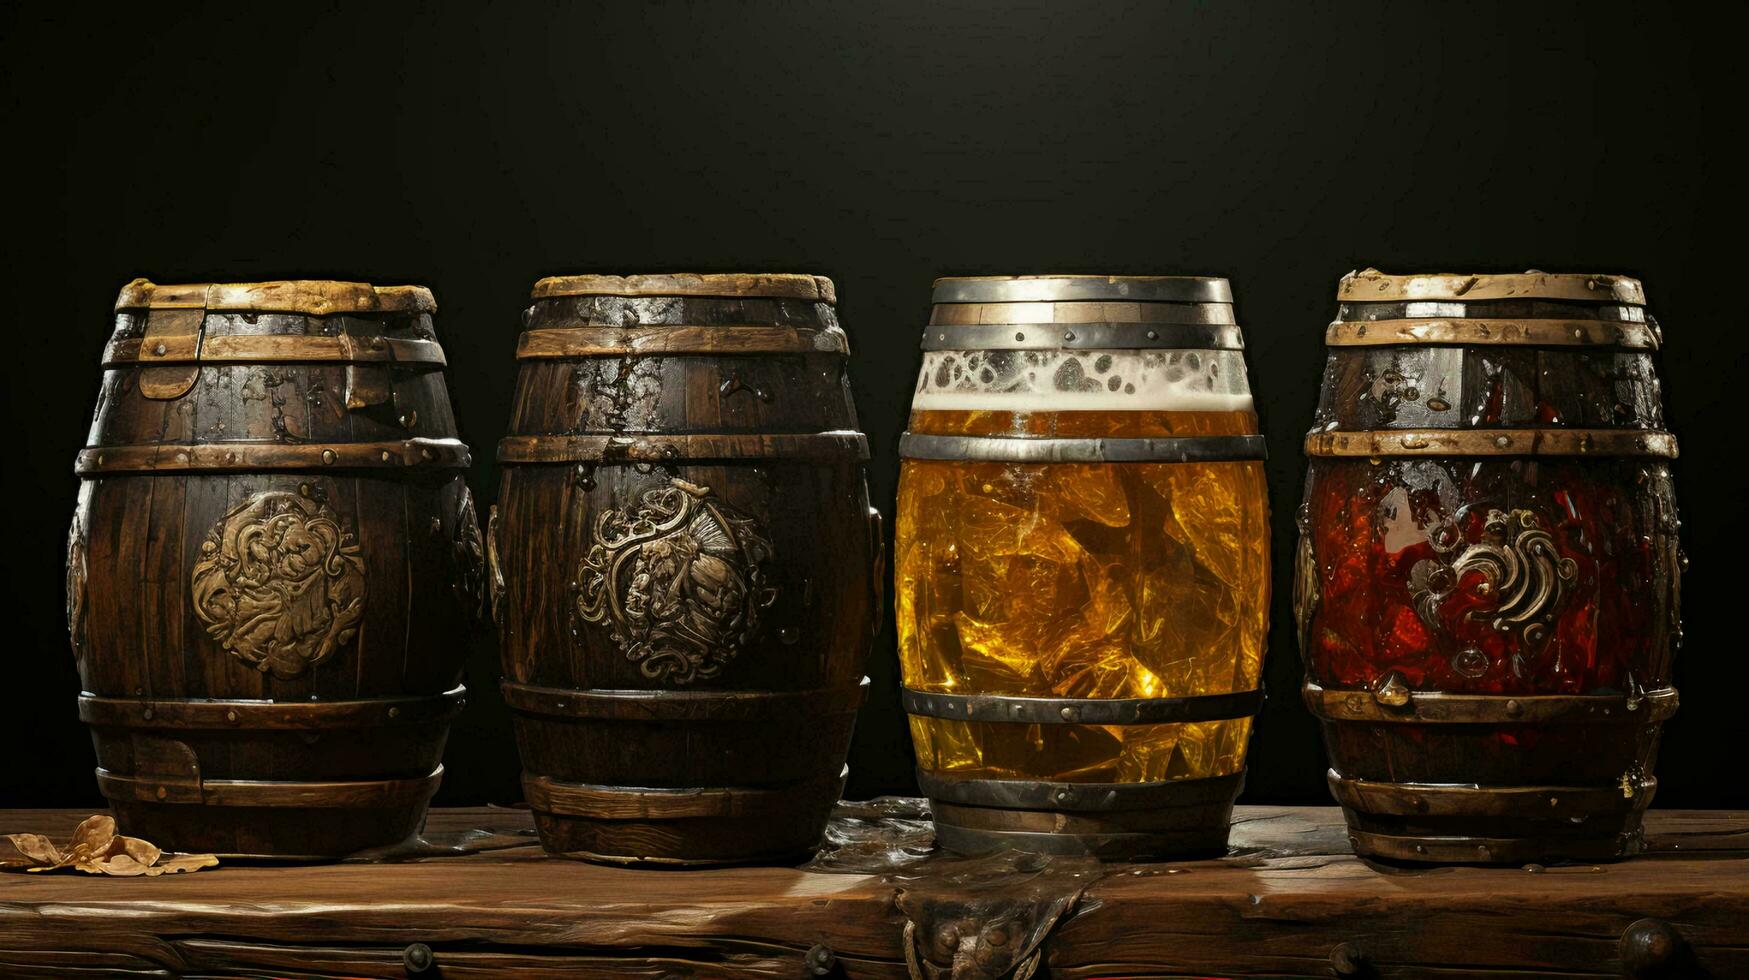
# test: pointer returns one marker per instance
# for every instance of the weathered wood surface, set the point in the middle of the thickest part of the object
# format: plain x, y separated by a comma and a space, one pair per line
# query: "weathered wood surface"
1280, 904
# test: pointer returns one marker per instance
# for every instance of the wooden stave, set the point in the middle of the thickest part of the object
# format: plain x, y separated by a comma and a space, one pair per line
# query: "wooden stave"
192, 503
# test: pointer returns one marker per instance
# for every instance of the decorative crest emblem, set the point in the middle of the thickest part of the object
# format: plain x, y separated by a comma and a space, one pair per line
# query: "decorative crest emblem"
1524, 583
280, 584
680, 582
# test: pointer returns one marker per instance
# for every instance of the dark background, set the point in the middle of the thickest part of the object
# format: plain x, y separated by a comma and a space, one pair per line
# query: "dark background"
881, 144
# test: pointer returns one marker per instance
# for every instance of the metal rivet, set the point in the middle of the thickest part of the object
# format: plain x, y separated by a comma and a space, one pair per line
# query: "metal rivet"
1502, 441
418, 958
1020, 336
1153, 335
328, 456
386, 455
148, 714
820, 960
1069, 713
162, 792
394, 712
1513, 708
1069, 335
160, 350
231, 715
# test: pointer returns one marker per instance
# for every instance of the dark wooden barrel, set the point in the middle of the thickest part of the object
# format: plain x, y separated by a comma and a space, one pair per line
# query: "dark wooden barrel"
685, 564
1082, 565
1488, 568
271, 566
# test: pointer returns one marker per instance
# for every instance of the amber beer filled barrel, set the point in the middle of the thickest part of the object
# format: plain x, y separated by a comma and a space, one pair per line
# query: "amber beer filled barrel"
271, 566
1082, 564
1488, 568
687, 564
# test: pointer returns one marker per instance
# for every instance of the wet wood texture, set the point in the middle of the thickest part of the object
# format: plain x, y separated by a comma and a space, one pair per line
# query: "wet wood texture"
1288, 898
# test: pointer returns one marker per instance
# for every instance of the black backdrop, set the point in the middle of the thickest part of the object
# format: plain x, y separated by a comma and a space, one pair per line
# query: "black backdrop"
881, 144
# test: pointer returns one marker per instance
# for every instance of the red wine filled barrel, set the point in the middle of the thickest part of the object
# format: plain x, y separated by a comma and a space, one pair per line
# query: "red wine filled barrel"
271, 566
685, 565
1488, 567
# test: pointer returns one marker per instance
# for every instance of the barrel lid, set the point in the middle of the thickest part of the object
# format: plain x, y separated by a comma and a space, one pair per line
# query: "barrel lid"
1030, 289
761, 285
314, 297
1371, 285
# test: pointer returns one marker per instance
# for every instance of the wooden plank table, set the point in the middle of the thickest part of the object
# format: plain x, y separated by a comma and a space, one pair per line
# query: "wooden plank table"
477, 898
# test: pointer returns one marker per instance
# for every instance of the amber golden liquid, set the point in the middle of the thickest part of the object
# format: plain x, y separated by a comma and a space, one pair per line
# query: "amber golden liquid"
1098, 580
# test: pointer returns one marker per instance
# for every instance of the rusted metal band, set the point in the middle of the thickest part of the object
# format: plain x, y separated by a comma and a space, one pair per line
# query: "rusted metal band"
830, 446
1440, 800
1493, 442
777, 285
1003, 449
1371, 285
638, 803
1085, 336
1432, 707
1081, 711
566, 342
183, 713
1492, 332
671, 706
1027, 289
347, 794
1537, 846
1038, 794
314, 297
408, 454
276, 348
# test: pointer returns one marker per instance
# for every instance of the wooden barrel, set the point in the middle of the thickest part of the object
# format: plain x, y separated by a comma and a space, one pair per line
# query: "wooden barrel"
1082, 565
271, 566
1488, 569
685, 565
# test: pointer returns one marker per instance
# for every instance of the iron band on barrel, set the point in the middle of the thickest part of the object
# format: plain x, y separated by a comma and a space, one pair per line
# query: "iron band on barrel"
1483, 332
565, 342
277, 349
1082, 711
1439, 799
1084, 336
661, 448
1152, 289
625, 803
683, 705
349, 794
1493, 442
433, 454
204, 713
1039, 794
1434, 707
1185, 449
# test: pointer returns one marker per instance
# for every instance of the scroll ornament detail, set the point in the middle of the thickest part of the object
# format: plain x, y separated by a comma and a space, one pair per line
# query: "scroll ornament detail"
680, 581
1306, 592
1525, 582
76, 573
468, 552
280, 583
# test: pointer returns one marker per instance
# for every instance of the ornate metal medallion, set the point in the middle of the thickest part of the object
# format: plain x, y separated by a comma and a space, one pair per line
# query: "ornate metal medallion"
680, 581
280, 583
1524, 577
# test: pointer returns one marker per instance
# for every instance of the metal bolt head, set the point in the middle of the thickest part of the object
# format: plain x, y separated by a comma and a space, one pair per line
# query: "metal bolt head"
418, 958
1069, 713
160, 350
820, 961
1392, 689
329, 456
